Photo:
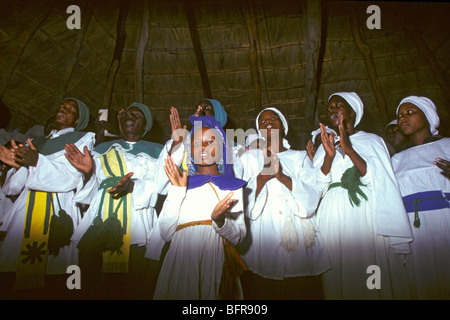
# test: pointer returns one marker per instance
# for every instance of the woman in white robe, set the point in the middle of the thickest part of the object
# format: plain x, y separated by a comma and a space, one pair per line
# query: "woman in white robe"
361, 215
281, 194
202, 218
422, 181
52, 173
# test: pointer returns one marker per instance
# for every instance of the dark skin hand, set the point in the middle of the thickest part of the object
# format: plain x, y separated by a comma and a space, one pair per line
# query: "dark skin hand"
6, 157
180, 180
444, 165
84, 163
272, 169
178, 131
23, 155
123, 187
100, 127
2, 233
310, 149
347, 147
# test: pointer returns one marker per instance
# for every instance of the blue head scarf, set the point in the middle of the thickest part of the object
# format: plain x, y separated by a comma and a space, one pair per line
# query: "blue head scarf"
219, 112
226, 179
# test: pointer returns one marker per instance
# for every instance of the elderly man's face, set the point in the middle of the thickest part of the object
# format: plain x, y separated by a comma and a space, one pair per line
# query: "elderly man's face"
67, 114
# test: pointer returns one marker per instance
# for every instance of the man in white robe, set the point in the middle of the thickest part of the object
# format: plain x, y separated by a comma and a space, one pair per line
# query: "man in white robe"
44, 172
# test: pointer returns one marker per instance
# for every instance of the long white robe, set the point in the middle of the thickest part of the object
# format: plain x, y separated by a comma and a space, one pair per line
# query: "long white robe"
149, 181
53, 173
428, 266
268, 213
192, 267
5, 206
359, 237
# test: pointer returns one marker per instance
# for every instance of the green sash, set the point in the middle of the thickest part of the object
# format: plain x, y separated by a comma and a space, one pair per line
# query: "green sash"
350, 181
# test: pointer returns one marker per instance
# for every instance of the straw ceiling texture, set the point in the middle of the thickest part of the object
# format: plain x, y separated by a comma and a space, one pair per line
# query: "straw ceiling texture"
247, 54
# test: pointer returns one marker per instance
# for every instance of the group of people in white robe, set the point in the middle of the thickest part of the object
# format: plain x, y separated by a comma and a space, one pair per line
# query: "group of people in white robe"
341, 218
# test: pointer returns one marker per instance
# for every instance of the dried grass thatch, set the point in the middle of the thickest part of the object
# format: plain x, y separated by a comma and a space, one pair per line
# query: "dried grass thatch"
247, 54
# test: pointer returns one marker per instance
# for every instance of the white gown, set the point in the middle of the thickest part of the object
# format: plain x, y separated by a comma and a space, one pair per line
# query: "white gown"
5, 206
53, 173
359, 237
275, 206
429, 264
192, 267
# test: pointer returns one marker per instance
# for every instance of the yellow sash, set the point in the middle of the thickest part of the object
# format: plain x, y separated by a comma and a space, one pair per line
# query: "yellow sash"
113, 165
31, 267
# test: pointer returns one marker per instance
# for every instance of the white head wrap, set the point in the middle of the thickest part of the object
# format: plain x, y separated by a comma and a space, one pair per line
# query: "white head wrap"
315, 133
253, 137
428, 108
392, 122
354, 101
283, 120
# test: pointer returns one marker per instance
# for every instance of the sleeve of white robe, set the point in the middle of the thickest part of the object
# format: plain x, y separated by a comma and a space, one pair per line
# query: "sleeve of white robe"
305, 191
86, 194
391, 219
170, 213
54, 173
159, 180
15, 181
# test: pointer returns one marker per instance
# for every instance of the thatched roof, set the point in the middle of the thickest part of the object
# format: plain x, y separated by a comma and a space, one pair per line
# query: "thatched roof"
246, 54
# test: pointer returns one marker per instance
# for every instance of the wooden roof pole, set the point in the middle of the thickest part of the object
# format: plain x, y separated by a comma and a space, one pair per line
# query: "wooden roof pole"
253, 53
362, 46
138, 67
313, 59
114, 67
190, 15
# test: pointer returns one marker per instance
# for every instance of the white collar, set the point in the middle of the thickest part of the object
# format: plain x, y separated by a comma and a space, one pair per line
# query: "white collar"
55, 133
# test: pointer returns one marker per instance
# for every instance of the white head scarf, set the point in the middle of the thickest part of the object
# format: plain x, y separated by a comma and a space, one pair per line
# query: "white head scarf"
354, 101
428, 108
392, 122
283, 120
315, 133
253, 137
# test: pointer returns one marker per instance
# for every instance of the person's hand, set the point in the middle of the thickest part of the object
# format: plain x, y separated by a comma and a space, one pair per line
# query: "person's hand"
198, 111
178, 131
173, 173
444, 165
23, 155
101, 126
123, 187
218, 214
346, 144
7, 158
327, 142
310, 149
82, 162
2, 233
271, 163
120, 115
328, 146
